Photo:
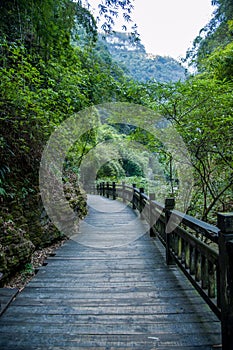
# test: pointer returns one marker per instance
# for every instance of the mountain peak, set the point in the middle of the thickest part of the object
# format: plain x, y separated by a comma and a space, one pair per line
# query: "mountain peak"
140, 65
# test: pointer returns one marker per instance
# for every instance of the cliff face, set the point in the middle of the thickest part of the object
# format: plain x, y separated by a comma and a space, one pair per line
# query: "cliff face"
26, 226
140, 65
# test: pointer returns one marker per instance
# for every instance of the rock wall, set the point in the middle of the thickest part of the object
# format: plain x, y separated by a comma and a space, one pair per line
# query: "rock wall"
25, 227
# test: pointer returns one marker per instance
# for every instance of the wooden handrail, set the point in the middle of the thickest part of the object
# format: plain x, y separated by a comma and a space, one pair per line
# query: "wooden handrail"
207, 265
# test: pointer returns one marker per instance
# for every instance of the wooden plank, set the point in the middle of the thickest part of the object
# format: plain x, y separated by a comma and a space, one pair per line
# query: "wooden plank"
146, 342
64, 308
110, 328
118, 288
112, 294
116, 319
6, 297
108, 302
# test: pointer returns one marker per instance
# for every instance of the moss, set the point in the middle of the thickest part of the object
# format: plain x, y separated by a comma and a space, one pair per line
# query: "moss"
25, 226
15, 248
3, 262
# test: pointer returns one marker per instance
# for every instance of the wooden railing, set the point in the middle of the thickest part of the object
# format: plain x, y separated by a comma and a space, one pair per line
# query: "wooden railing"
202, 251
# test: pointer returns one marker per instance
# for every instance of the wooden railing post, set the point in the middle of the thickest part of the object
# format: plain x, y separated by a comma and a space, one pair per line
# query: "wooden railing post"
141, 190
114, 190
123, 192
99, 187
152, 198
133, 197
107, 191
103, 189
225, 224
169, 205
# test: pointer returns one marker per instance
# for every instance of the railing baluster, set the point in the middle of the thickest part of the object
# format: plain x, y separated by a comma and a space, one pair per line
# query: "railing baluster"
134, 197
114, 190
123, 194
141, 190
218, 287
179, 252
169, 205
225, 224
175, 244
187, 255
182, 250
204, 273
152, 198
198, 266
192, 261
212, 280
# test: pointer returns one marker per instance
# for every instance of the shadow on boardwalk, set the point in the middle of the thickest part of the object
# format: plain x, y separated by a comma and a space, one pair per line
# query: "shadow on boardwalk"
109, 288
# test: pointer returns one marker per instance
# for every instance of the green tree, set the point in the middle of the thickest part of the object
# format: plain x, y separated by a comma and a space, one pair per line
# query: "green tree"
201, 110
215, 35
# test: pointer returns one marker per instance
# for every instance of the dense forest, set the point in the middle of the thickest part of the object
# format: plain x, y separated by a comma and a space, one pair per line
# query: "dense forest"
52, 65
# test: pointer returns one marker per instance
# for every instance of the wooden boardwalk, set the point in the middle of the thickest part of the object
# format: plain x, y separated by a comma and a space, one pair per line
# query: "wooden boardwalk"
113, 293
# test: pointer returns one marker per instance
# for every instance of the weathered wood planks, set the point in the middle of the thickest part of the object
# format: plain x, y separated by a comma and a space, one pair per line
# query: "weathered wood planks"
117, 297
6, 296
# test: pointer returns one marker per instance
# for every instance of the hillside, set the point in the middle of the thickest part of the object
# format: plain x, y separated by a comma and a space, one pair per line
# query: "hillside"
138, 64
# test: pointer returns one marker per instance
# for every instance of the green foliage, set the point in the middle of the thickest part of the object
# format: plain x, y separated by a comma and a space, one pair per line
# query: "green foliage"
201, 110
52, 66
220, 63
111, 170
28, 270
216, 35
40, 90
49, 70
109, 10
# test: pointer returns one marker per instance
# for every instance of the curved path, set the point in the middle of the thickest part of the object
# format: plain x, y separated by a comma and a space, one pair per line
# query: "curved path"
109, 288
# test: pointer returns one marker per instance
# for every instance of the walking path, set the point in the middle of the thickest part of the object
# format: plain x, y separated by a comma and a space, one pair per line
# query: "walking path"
109, 288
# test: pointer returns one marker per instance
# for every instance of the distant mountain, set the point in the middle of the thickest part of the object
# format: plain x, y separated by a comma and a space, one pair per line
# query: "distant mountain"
141, 66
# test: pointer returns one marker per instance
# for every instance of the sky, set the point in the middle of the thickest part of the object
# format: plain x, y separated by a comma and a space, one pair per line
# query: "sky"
168, 27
